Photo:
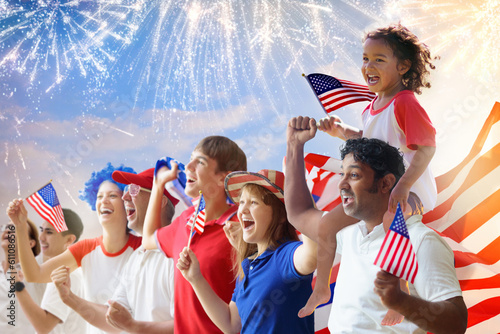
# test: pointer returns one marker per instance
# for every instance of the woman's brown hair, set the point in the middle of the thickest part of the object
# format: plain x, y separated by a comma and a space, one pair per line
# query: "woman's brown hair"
279, 231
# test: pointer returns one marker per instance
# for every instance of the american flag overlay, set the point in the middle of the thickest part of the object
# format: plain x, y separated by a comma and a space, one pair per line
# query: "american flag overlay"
198, 217
46, 204
467, 216
334, 93
396, 255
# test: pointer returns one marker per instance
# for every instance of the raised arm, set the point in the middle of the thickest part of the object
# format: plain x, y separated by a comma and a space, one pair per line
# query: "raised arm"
152, 221
41, 320
225, 316
447, 317
93, 313
305, 256
33, 272
300, 207
418, 165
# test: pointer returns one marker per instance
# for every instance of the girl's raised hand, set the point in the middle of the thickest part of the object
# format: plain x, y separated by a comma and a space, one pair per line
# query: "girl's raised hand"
189, 266
400, 195
332, 125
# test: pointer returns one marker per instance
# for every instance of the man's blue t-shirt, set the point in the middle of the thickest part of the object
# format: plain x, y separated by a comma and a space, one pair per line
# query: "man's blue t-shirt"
272, 292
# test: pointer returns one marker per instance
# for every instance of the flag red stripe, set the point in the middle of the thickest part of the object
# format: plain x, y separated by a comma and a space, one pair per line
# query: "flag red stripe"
401, 267
41, 208
333, 204
481, 283
491, 253
443, 181
389, 238
340, 105
414, 268
392, 250
320, 186
484, 310
342, 94
316, 160
474, 218
488, 256
53, 214
481, 167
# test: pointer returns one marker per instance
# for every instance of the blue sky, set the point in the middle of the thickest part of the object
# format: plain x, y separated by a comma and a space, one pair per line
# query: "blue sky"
89, 82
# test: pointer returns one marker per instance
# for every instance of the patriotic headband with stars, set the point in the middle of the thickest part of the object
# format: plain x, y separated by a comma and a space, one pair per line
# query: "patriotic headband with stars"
272, 180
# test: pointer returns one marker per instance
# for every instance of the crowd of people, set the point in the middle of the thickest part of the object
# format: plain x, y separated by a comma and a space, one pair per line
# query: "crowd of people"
251, 269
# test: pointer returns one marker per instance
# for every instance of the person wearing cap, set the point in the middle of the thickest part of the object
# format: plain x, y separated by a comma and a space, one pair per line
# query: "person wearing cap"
363, 292
143, 300
212, 159
274, 267
12, 318
52, 315
101, 258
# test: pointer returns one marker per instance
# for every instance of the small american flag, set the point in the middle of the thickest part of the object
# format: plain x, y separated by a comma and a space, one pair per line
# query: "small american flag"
46, 204
334, 93
198, 217
396, 255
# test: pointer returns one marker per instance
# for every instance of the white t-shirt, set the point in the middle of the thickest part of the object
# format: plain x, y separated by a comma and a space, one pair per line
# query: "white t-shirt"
72, 322
101, 270
404, 124
147, 286
356, 308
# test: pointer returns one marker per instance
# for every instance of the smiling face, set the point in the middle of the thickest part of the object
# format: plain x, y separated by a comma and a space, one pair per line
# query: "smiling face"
255, 218
203, 174
109, 204
361, 194
382, 71
52, 242
136, 207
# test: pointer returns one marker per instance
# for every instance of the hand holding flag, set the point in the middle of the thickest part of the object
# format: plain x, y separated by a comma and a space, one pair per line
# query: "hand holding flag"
177, 185
396, 254
46, 204
197, 220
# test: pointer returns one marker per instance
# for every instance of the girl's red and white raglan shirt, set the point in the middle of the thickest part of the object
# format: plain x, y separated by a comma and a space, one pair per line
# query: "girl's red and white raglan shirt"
404, 124
101, 270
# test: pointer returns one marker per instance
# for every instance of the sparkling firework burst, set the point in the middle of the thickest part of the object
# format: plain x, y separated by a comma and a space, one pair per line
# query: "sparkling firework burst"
59, 36
472, 26
209, 55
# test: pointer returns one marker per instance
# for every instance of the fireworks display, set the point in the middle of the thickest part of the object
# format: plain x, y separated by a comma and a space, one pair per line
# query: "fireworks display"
62, 36
87, 81
472, 27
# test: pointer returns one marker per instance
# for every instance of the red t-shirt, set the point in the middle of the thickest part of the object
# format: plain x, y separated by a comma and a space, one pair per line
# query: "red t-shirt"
215, 255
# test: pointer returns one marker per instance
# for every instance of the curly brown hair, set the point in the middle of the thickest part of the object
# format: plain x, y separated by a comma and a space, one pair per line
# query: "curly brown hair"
406, 46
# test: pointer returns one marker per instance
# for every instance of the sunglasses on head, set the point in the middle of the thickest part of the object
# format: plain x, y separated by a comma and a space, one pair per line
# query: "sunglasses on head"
134, 189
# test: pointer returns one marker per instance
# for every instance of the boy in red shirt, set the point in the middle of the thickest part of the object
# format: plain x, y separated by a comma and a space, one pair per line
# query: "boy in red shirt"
212, 159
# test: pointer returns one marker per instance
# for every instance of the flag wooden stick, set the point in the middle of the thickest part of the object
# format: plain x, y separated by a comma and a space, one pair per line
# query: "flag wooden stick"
194, 222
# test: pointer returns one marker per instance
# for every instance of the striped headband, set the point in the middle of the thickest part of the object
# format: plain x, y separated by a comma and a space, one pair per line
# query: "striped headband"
272, 180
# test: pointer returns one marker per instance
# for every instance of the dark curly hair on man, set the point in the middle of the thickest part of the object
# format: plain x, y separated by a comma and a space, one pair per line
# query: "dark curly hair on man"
406, 46
380, 156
